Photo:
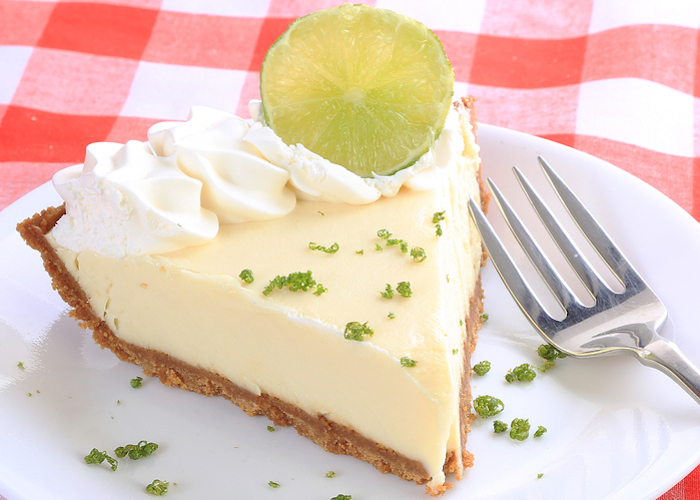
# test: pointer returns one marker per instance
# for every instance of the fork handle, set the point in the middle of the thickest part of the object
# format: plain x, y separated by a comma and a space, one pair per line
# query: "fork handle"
665, 356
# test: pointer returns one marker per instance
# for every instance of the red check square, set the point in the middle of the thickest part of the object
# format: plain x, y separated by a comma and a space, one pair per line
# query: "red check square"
74, 83
23, 22
200, 40
38, 136
460, 49
19, 178
127, 128
104, 29
272, 28
528, 63
663, 54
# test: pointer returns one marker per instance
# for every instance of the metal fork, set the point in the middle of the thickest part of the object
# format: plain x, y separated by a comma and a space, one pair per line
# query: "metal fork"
618, 322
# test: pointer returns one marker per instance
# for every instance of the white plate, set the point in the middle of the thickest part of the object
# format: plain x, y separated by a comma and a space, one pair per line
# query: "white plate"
616, 429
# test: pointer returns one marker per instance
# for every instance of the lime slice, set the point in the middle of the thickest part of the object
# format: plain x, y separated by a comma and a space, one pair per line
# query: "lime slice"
366, 88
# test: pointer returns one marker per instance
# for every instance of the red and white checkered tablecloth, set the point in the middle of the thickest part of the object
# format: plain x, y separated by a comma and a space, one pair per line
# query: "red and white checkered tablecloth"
619, 79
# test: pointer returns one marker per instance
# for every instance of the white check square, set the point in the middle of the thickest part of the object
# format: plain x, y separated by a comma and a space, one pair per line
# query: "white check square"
168, 91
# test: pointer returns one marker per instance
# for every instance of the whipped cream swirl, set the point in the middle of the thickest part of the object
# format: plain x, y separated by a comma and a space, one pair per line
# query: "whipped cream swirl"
315, 178
124, 200
239, 184
215, 168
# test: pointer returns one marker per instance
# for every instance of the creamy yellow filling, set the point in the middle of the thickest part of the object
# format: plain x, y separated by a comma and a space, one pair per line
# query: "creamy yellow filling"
191, 304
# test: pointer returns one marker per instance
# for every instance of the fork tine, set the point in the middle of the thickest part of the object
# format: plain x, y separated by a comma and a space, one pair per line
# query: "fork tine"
588, 276
506, 267
553, 279
595, 234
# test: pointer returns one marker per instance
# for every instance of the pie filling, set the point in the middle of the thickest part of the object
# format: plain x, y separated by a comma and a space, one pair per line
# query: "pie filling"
189, 318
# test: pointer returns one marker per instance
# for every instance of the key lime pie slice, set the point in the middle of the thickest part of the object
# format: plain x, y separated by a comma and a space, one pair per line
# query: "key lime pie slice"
315, 263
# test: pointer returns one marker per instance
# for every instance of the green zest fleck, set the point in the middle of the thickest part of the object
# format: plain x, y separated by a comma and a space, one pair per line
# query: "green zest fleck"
403, 244
484, 318
356, 330
247, 276
488, 406
404, 288
321, 212
97, 457
136, 451
547, 365
360, 252
408, 362
330, 474
136, 382
331, 249
270, 428
419, 254
277, 282
455, 351
378, 247
539, 476
294, 282
391, 315
300, 281
273, 484
438, 217
540, 431
520, 429
342, 497
158, 487
549, 352
499, 426
20, 365
482, 368
383, 234
522, 373
388, 292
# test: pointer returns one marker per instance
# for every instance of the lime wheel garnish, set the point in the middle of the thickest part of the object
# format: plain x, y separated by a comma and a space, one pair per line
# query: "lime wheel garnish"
366, 88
